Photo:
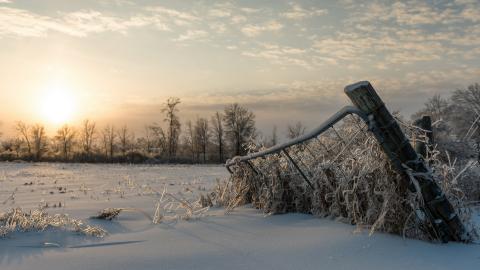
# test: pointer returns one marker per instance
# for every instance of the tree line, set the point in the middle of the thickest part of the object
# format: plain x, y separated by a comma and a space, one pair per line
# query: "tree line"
203, 140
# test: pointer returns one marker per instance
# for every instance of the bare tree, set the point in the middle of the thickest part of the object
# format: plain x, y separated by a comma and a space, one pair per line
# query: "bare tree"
435, 107
17, 146
189, 140
148, 140
239, 125
174, 126
464, 112
202, 136
24, 133
108, 139
125, 138
217, 133
297, 130
468, 98
464, 115
39, 140
87, 136
159, 140
13, 145
66, 137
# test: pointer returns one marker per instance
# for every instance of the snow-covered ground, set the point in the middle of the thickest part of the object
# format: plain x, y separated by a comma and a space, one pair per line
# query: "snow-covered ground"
244, 239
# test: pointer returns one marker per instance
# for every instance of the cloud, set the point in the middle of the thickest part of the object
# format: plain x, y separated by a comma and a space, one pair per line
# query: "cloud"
471, 13
280, 55
414, 13
23, 23
193, 35
297, 12
119, 3
28, 24
5, 1
20, 22
372, 35
218, 27
253, 30
178, 17
219, 13
84, 22
237, 19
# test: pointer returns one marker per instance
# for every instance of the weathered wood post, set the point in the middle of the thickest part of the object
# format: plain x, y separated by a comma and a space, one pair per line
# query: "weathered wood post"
395, 144
421, 147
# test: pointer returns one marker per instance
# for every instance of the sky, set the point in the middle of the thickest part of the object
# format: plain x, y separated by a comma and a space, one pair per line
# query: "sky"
117, 61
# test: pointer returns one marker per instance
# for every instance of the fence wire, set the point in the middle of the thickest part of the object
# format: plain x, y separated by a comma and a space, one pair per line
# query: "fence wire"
299, 159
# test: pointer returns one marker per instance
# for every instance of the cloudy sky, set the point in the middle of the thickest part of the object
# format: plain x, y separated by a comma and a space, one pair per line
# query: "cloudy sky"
285, 60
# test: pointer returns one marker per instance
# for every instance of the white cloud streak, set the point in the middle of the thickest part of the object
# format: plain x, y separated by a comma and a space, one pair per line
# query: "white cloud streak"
253, 30
297, 12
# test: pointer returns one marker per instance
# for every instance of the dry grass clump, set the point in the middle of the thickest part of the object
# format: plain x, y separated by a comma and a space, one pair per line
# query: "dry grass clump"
172, 208
353, 181
18, 220
169, 209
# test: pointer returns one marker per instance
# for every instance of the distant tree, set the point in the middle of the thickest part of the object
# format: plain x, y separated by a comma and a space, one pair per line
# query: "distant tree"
147, 140
125, 138
294, 131
13, 145
436, 107
66, 138
159, 139
218, 134
39, 139
17, 146
23, 132
189, 140
108, 140
173, 122
87, 136
464, 115
239, 125
464, 112
202, 136
468, 98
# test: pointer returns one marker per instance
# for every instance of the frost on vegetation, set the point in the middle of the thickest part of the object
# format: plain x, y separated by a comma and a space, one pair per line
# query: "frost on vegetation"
17, 220
356, 184
171, 208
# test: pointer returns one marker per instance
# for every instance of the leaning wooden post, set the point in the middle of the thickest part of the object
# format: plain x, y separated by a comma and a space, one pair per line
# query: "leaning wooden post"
421, 147
398, 148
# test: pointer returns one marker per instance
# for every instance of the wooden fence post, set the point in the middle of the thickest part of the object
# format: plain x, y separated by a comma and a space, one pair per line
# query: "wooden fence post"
421, 147
395, 144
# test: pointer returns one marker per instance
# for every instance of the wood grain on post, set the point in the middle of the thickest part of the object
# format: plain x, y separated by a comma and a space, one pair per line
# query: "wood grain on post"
398, 148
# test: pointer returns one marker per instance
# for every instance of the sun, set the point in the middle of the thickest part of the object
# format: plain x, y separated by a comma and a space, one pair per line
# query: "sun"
57, 104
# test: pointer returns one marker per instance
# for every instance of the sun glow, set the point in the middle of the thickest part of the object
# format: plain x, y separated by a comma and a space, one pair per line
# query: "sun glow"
58, 104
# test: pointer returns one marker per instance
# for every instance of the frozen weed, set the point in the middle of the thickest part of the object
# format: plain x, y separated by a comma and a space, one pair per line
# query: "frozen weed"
18, 220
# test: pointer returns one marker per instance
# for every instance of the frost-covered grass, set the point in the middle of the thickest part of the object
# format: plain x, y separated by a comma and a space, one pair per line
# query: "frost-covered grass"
16, 220
353, 181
